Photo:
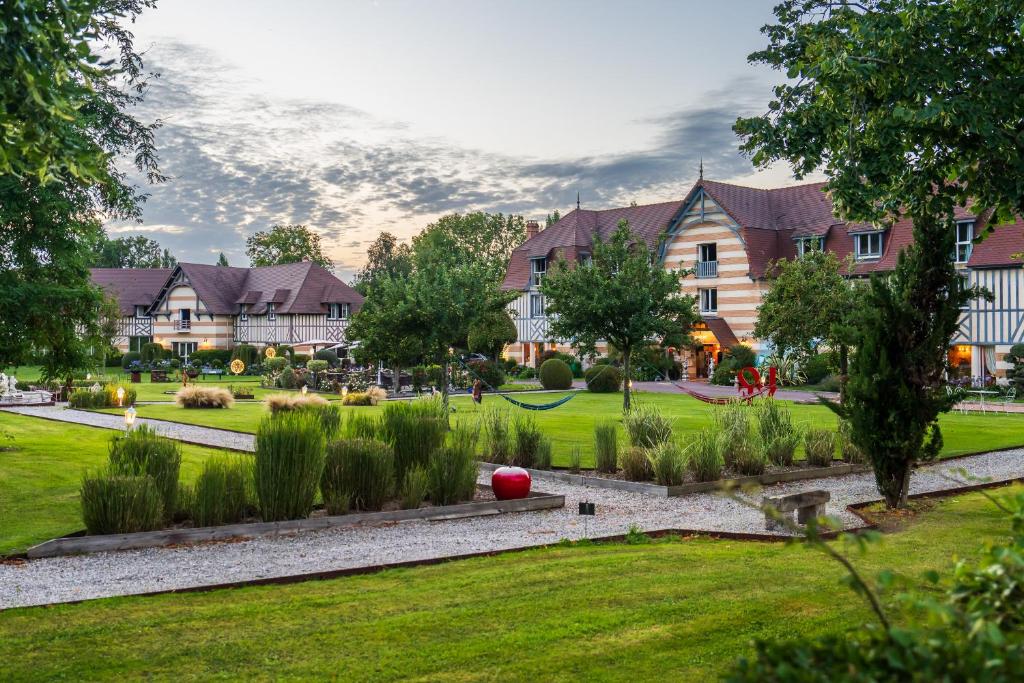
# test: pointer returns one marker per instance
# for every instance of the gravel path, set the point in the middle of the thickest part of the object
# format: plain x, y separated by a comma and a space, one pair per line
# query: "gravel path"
204, 436
63, 579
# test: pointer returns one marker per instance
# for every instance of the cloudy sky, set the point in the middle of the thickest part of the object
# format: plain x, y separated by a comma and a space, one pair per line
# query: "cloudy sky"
358, 116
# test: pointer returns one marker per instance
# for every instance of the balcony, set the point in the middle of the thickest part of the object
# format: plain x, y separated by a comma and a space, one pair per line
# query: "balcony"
707, 268
182, 325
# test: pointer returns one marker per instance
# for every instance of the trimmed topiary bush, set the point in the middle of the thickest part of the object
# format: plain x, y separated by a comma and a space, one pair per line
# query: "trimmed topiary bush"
555, 374
246, 353
490, 373
357, 473
289, 461
129, 358
603, 379
120, 504
330, 356
151, 352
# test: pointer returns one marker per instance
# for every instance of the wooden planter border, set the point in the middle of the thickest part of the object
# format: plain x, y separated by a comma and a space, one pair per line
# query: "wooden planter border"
77, 545
693, 487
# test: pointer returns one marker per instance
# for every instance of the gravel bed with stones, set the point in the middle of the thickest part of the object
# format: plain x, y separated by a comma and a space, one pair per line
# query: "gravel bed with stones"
63, 579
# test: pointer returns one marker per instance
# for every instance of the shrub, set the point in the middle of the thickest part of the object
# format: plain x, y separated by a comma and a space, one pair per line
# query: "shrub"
288, 379
603, 379
288, 465
246, 353
106, 397
129, 358
357, 398
317, 365
414, 429
151, 352
646, 426
143, 452
817, 367
376, 395
705, 456
497, 436
489, 372
223, 492
282, 403
542, 458
526, 440
357, 472
300, 358
452, 470
733, 423
210, 357
606, 447
847, 449
820, 446
830, 383
414, 488
575, 459
330, 357
748, 459
779, 438
635, 465
198, 396
555, 374
668, 463
276, 364
361, 426
118, 504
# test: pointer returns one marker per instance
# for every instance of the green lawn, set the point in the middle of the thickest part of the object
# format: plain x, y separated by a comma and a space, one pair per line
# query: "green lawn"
39, 478
573, 423
672, 610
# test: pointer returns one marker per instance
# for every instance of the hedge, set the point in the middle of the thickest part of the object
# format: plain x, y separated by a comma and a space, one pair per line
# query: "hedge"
555, 373
603, 379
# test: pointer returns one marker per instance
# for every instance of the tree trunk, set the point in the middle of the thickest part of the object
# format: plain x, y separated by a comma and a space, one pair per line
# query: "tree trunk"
396, 383
894, 483
844, 367
625, 379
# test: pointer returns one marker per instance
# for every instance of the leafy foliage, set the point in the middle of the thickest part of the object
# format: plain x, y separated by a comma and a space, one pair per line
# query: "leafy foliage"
119, 504
285, 244
289, 462
136, 251
603, 379
646, 426
358, 473
223, 492
555, 374
606, 446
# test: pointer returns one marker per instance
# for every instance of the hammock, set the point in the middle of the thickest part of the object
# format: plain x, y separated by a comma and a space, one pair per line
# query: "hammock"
518, 404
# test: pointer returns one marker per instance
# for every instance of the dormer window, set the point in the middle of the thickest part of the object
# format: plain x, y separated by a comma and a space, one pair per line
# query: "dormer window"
867, 245
243, 311
964, 241
337, 311
271, 313
806, 244
538, 267
141, 312
586, 259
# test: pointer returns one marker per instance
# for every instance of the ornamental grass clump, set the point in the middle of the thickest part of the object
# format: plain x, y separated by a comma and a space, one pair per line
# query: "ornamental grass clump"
606, 447
280, 403
198, 396
289, 461
704, 459
668, 463
542, 458
635, 464
452, 469
526, 440
143, 452
735, 432
359, 473
223, 492
120, 504
748, 459
329, 418
415, 430
414, 488
820, 446
847, 449
497, 436
359, 425
646, 426
779, 436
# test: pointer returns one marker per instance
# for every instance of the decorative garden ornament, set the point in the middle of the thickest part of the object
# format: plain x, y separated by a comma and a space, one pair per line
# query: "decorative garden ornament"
509, 483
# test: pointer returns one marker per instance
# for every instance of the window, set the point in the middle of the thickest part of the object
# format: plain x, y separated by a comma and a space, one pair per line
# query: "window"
271, 314
868, 245
965, 283
707, 252
708, 300
141, 312
243, 311
536, 306
135, 343
538, 267
586, 260
182, 349
337, 311
964, 241
806, 244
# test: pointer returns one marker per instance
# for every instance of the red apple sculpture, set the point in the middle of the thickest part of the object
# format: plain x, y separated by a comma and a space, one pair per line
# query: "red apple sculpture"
509, 483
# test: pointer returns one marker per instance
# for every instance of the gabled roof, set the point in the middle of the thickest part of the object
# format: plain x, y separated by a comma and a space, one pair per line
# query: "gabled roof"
131, 287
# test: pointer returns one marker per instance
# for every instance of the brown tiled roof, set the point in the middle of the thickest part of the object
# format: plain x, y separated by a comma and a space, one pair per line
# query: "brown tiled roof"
720, 328
131, 287
998, 248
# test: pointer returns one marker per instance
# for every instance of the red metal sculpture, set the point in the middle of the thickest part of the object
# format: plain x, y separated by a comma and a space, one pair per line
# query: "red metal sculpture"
754, 386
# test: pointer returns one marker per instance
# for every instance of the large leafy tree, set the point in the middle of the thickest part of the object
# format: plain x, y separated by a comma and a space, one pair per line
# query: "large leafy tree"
810, 304
482, 241
386, 257
286, 244
624, 296
131, 252
911, 108
67, 118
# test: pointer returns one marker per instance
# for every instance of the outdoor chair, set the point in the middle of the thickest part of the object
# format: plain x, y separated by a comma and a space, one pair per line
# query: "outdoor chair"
957, 394
1008, 400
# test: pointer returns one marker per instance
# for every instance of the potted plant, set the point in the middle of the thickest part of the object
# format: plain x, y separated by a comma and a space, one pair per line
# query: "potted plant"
135, 371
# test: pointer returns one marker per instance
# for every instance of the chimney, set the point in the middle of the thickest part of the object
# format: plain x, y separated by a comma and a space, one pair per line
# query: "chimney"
532, 228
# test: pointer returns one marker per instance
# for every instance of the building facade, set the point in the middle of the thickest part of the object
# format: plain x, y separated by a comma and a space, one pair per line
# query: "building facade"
728, 235
197, 306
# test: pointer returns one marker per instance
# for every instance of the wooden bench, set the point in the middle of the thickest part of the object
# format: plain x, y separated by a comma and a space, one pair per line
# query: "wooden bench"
808, 505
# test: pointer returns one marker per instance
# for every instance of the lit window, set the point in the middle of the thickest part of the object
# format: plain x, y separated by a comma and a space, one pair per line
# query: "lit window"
806, 244
964, 241
538, 267
868, 245
708, 300
536, 306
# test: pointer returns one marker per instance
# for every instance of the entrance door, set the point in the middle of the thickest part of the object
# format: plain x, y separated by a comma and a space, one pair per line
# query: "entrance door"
701, 362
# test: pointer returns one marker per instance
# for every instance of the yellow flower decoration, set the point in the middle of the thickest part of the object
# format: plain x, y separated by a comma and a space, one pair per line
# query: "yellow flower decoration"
271, 352
237, 366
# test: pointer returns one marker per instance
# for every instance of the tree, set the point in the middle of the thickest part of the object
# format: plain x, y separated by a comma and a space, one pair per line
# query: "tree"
552, 218
911, 108
478, 240
222, 260
65, 123
285, 244
625, 297
492, 333
130, 252
810, 303
384, 258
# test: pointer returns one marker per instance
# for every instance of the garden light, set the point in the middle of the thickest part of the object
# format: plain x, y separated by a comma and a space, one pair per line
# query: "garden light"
304, 389
344, 392
237, 366
129, 419
120, 396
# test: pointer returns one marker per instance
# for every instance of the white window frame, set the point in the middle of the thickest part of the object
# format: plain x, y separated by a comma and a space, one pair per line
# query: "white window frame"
708, 299
243, 312
868, 237
964, 245
805, 244
337, 311
539, 298
537, 274
141, 311
702, 252
271, 313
